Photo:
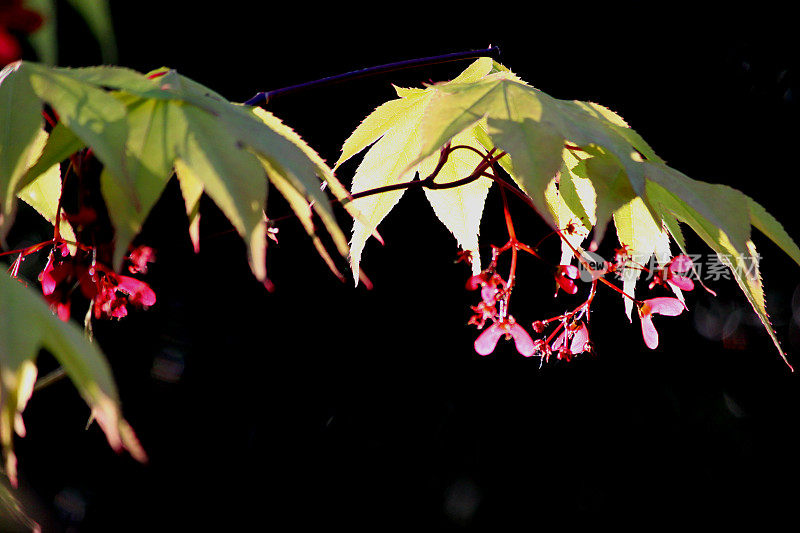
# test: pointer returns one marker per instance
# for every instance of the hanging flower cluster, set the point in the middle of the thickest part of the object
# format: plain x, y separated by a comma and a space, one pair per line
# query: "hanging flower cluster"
569, 335
566, 335
81, 268
109, 293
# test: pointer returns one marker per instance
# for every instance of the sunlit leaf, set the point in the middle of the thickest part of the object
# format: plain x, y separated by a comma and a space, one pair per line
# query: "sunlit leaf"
192, 191
44, 193
59, 145
20, 123
28, 325
727, 234
154, 130
296, 172
142, 126
611, 187
93, 115
392, 134
645, 238
770, 227
231, 176
536, 154
530, 124
459, 208
620, 173
385, 163
572, 204
377, 123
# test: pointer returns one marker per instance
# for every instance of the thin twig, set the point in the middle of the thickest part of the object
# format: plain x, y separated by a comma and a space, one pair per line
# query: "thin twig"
264, 97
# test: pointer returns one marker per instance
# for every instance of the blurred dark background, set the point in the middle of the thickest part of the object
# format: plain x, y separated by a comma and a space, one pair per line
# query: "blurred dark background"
321, 404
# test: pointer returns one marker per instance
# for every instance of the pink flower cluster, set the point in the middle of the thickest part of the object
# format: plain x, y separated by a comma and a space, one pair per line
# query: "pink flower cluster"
109, 292
570, 337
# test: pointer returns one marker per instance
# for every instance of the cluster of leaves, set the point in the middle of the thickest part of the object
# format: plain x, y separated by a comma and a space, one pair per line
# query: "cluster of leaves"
578, 164
143, 129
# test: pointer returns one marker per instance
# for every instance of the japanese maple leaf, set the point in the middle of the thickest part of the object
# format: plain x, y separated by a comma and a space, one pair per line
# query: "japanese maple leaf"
392, 134
631, 183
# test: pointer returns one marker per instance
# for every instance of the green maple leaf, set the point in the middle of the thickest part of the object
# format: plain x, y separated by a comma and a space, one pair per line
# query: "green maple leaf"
143, 128
391, 133
533, 128
44, 193
579, 163
645, 238
28, 325
722, 216
631, 183
572, 203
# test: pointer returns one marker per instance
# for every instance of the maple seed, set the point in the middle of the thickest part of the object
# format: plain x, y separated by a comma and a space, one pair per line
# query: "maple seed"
565, 274
670, 274
475, 281
577, 335
139, 257
657, 306
490, 285
487, 341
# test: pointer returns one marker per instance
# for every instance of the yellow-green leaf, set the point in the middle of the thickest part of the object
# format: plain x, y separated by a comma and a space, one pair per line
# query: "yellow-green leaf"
28, 325
644, 237
698, 205
459, 208
44, 193
385, 163
770, 227
140, 127
20, 124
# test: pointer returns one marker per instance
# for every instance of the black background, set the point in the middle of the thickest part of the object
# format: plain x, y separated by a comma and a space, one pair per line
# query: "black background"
321, 404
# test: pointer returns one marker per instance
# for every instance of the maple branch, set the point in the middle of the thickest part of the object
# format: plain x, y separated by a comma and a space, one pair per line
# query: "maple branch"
428, 182
264, 97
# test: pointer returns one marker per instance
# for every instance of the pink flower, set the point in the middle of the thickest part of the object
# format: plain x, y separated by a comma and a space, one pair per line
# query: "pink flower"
139, 257
565, 274
490, 285
657, 306
51, 276
483, 312
577, 334
109, 292
108, 303
487, 341
138, 292
670, 274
